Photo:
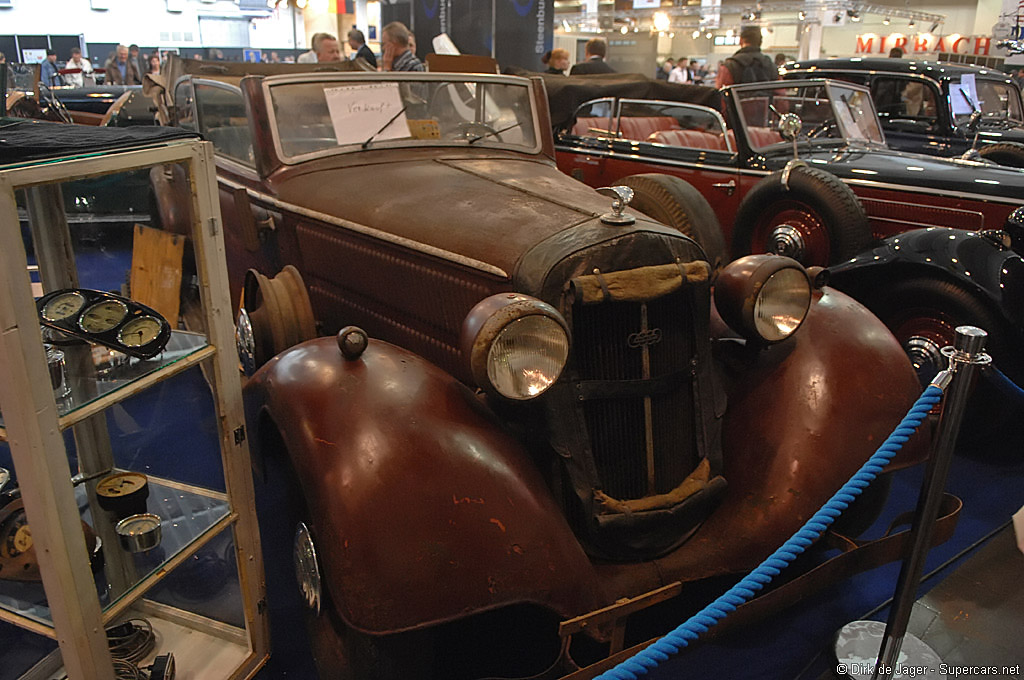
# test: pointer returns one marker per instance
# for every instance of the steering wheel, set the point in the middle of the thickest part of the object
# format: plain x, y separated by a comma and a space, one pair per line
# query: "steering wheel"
473, 130
54, 104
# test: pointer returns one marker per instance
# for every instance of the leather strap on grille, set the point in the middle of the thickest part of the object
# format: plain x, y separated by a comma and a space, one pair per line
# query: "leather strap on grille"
638, 285
617, 389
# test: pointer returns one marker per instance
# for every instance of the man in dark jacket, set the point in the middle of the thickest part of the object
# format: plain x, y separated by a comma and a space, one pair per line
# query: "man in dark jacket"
357, 42
748, 64
120, 70
595, 52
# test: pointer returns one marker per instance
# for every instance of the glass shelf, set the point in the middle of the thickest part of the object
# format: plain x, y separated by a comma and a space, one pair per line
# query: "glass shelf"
100, 388
189, 518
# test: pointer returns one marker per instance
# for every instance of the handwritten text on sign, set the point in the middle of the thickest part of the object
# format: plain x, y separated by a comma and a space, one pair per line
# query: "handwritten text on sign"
359, 111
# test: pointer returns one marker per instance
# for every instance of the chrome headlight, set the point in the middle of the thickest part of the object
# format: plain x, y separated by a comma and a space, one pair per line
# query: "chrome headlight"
517, 345
763, 297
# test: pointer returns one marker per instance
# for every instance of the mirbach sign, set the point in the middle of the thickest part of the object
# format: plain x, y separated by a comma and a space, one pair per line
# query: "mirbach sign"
872, 43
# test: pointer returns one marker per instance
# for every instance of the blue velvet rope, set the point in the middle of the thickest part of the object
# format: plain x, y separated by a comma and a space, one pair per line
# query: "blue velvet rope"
1004, 384
649, 659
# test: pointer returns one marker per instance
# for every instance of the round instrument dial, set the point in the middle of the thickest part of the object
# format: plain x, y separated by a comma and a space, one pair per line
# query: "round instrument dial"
121, 484
63, 306
15, 535
139, 533
102, 316
139, 331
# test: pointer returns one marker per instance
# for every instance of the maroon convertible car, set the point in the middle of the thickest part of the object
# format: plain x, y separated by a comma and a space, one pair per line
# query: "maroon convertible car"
545, 420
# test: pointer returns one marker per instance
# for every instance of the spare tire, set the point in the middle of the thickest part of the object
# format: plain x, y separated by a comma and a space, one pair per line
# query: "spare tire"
678, 204
1010, 154
818, 220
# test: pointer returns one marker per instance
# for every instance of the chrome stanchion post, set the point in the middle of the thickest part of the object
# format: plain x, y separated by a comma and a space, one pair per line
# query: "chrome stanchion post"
857, 640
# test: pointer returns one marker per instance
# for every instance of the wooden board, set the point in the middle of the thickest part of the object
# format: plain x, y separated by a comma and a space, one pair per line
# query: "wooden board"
155, 278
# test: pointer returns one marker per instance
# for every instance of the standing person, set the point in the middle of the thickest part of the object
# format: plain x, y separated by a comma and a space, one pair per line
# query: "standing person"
780, 59
310, 57
81, 63
558, 61
749, 64
896, 53
357, 42
328, 49
48, 73
120, 70
665, 70
595, 52
681, 73
137, 61
397, 54
153, 64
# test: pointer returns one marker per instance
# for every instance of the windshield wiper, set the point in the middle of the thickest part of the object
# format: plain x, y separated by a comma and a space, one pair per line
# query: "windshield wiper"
384, 127
494, 132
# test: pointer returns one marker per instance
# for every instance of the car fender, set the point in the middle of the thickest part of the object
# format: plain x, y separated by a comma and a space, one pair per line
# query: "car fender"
977, 262
423, 508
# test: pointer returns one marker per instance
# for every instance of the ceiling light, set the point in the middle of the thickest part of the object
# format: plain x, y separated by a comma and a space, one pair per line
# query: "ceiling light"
624, 30
636, 29
672, 35
301, 4
661, 21
911, 24
801, 15
696, 34
837, 18
853, 14
708, 35
565, 26
886, 21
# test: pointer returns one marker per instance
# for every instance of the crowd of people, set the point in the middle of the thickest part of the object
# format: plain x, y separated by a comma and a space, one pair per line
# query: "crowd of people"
749, 64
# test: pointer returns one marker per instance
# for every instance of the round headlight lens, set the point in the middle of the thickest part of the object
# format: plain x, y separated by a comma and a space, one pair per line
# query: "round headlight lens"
527, 356
782, 304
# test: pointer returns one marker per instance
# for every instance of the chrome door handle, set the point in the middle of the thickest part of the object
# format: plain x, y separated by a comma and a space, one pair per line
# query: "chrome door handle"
730, 186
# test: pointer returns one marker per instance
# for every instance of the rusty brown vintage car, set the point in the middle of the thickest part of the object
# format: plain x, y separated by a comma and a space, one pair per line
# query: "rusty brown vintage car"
531, 405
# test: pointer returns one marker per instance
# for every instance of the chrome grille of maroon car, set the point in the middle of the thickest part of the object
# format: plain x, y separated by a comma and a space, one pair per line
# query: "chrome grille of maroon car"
641, 445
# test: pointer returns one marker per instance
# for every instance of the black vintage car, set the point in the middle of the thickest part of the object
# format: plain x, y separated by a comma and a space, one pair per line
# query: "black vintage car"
926, 106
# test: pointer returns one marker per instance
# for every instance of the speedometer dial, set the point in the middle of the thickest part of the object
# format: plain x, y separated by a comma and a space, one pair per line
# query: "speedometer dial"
102, 316
139, 331
63, 306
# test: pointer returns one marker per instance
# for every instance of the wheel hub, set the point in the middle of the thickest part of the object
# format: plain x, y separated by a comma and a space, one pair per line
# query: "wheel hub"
307, 568
926, 355
787, 240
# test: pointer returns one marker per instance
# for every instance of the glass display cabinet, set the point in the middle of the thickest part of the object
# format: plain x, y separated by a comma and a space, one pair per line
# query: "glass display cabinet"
125, 483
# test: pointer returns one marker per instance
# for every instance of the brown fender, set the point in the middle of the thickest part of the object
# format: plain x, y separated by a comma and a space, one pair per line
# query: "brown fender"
423, 508
803, 416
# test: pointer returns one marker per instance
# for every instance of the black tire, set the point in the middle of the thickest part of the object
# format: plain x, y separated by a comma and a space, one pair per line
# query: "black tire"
678, 204
818, 208
1010, 154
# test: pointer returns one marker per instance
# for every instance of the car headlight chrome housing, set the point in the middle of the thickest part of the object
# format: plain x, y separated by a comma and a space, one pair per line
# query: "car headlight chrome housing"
517, 345
763, 297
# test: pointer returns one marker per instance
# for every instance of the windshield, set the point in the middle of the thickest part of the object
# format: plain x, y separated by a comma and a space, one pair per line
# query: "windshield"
829, 113
350, 115
998, 101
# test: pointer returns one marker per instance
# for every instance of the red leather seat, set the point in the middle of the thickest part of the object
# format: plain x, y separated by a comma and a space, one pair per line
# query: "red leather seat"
591, 127
691, 139
640, 128
762, 136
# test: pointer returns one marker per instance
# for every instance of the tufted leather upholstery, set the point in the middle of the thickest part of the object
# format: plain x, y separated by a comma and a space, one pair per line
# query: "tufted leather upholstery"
590, 127
691, 139
640, 128
762, 136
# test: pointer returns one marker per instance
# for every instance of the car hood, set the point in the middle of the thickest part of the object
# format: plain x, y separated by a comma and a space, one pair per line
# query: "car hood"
882, 166
458, 205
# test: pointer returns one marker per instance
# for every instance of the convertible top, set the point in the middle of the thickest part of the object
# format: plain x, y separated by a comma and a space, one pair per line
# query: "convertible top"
23, 140
566, 93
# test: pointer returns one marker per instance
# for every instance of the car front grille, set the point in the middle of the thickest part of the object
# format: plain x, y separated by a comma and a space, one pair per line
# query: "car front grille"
642, 444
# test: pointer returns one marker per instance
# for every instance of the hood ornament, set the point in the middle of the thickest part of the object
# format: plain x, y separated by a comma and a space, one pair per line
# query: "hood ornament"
622, 196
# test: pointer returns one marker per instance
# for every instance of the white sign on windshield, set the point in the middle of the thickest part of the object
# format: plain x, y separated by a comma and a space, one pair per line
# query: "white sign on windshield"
966, 86
359, 112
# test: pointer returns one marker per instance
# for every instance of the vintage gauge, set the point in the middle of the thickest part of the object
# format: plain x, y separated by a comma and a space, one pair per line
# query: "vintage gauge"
139, 533
102, 316
123, 493
63, 306
16, 538
116, 322
139, 331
